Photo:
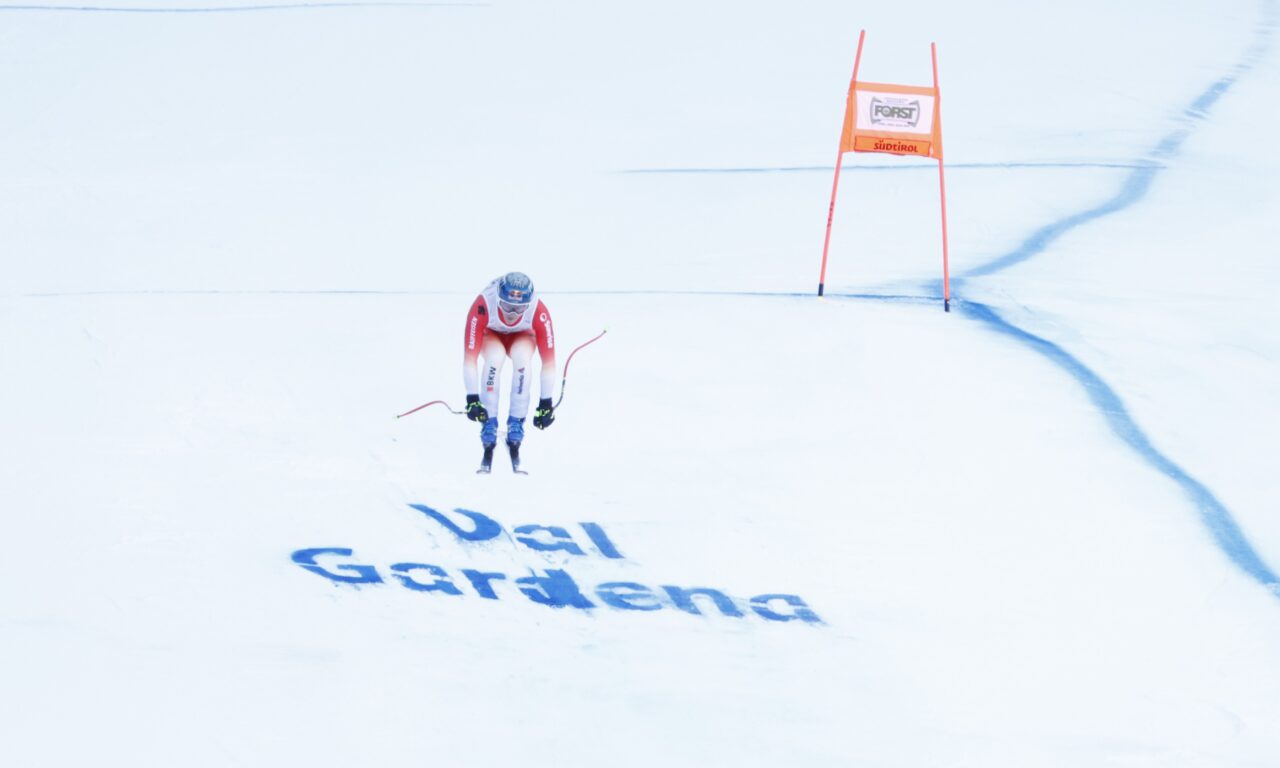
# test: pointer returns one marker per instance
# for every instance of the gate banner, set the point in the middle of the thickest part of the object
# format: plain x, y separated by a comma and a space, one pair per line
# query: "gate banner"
894, 119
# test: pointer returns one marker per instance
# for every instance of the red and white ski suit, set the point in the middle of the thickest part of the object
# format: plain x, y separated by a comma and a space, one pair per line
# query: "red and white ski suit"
489, 335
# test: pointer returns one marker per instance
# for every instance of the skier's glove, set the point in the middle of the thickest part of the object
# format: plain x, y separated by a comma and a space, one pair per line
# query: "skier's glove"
545, 414
476, 411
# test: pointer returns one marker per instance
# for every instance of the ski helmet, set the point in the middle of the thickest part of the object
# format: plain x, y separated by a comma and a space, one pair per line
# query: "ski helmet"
515, 293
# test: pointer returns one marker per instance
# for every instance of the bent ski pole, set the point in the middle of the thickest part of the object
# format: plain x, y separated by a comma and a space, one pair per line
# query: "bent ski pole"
565, 377
433, 402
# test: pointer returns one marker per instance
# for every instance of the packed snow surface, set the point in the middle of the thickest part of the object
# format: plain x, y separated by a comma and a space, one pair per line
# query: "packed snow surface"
766, 528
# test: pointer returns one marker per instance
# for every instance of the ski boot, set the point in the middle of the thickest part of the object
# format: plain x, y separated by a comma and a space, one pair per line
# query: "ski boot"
515, 436
488, 439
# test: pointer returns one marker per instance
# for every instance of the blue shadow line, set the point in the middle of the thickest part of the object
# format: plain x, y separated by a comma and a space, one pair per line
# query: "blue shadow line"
805, 295
887, 297
1143, 171
1135, 186
873, 168
229, 292
1215, 516
236, 8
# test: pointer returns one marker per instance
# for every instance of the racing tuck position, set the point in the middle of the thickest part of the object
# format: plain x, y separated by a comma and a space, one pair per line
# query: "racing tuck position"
507, 321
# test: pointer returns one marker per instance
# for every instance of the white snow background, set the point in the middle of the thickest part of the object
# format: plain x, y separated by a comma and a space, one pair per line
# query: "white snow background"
1039, 530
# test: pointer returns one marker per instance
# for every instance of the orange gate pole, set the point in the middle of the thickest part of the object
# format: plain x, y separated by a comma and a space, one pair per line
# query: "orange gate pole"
942, 183
835, 184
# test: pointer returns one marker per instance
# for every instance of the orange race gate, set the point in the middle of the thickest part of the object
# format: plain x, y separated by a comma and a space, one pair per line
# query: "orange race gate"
895, 120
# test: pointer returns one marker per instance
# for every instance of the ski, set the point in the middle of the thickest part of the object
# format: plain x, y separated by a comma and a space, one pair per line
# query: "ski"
514, 450
486, 462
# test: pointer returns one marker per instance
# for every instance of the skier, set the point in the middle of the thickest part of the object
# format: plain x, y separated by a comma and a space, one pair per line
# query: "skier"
508, 320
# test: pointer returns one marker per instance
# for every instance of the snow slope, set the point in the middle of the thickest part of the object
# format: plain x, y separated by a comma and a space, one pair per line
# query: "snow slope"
1036, 531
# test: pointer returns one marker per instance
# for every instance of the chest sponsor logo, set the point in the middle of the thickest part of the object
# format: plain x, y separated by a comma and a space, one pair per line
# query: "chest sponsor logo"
546, 326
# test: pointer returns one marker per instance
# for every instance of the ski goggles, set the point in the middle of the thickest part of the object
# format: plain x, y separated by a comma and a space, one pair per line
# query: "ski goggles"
512, 308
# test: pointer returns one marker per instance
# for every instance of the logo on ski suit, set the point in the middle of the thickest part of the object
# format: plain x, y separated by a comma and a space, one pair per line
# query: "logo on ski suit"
546, 325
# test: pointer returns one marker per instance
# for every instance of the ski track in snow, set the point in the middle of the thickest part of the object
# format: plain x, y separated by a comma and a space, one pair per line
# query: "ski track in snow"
1216, 517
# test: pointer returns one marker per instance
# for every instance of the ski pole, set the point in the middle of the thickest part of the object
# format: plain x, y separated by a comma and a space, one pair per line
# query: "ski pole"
433, 402
565, 376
